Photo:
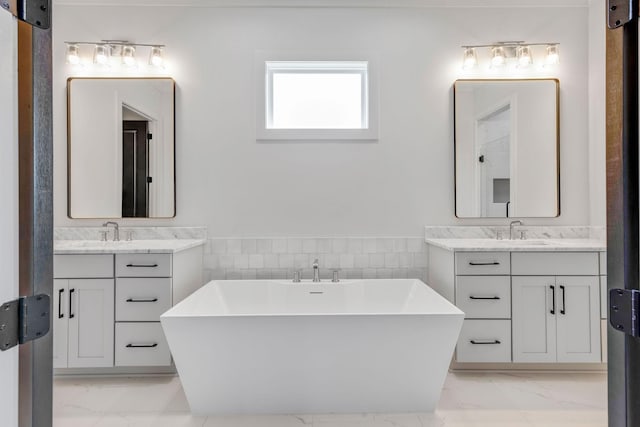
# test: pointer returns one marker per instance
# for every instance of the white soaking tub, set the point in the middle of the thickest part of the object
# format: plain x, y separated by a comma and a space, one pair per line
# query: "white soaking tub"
266, 346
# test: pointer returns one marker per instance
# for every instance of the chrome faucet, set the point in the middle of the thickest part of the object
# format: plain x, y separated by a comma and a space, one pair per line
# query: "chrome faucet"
116, 230
316, 271
511, 226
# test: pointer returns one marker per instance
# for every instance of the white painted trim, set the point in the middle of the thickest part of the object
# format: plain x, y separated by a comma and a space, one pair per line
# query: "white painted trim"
265, 134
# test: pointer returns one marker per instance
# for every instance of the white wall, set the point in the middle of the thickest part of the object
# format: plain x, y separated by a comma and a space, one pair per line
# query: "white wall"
239, 187
9, 206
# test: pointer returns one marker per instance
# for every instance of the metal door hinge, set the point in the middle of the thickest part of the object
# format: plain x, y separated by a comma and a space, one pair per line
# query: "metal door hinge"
24, 319
620, 12
34, 12
149, 136
624, 307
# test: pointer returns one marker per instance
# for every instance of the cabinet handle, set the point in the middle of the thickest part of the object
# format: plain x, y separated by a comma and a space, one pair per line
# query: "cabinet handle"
142, 300
142, 345
494, 342
142, 265
60, 313
553, 299
484, 263
491, 298
563, 311
71, 291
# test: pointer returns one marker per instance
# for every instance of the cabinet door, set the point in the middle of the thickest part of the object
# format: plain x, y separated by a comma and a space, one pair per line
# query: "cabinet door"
578, 319
91, 323
533, 318
59, 323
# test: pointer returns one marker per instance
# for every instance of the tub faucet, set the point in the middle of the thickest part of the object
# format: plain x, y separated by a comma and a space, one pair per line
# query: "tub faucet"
116, 230
316, 271
511, 226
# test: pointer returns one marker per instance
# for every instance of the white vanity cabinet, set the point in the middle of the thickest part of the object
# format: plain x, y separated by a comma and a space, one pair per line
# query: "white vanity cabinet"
143, 293
604, 304
107, 308
556, 319
83, 311
556, 312
483, 292
521, 306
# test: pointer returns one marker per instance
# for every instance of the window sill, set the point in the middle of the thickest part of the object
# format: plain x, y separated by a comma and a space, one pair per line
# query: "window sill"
317, 134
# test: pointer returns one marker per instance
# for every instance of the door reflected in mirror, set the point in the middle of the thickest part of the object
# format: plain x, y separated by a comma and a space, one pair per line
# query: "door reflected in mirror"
506, 148
121, 148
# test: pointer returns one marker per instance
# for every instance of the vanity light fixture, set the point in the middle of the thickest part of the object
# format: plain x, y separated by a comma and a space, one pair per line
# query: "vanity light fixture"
73, 54
129, 55
470, 58
524, 56
553, 54
498, 58
101, 54
155, 56
105, 50
503, 53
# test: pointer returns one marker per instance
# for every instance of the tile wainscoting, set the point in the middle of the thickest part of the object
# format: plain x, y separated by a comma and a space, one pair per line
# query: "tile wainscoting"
278, 258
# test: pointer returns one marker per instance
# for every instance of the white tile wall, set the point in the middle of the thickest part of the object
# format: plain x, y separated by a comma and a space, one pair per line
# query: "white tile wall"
356, 258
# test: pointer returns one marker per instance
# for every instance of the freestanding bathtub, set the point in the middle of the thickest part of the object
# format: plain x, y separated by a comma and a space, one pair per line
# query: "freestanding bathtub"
265, 347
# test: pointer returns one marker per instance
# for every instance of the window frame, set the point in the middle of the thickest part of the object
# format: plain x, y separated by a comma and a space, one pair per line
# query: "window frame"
268, 63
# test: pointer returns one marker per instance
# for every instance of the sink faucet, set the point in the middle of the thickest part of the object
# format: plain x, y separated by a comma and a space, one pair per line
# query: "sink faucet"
316, 271
511, 226
116, 230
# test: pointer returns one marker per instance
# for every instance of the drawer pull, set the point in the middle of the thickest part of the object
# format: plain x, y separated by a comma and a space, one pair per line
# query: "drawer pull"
484, 298
60, 313
71, 291
142, 265
142, 300
494, 342
142, 345
484, 263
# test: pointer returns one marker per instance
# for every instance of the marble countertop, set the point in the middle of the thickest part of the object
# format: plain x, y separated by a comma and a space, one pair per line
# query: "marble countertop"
134, 246
530, 245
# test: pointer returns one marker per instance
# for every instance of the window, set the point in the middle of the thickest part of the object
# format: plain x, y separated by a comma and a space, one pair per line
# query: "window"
316, 100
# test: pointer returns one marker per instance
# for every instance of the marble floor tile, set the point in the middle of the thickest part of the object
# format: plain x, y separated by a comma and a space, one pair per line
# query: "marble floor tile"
468, 400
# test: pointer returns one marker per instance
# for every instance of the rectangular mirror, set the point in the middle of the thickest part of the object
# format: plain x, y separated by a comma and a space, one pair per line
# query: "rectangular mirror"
121, 147
507, 148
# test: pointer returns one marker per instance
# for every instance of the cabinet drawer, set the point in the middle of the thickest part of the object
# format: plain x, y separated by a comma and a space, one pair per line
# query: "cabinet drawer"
475, 263
142, 299
484, 297
83, 266
484, 341
555, 263
141, 344
143, 265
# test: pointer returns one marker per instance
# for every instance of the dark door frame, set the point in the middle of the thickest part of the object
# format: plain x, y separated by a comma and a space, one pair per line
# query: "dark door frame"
35, 165
623, 226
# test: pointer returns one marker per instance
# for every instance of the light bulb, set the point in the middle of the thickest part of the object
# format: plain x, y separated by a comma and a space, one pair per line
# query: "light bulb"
553, 55
469, 58
73, 54
101, 54
497, 56
129, 56
155, 58
524, 56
